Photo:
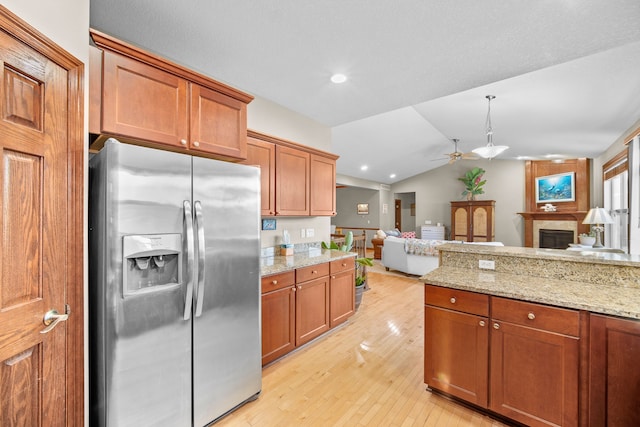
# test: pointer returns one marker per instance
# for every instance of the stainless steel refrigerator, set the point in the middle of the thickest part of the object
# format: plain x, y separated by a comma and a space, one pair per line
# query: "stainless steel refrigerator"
174, 287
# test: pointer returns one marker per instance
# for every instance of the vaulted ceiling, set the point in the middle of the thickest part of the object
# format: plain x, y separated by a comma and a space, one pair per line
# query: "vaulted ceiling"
565, 73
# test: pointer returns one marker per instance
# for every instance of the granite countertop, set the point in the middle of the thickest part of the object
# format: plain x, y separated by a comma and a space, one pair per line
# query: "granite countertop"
280, 264
598, 282
585, 256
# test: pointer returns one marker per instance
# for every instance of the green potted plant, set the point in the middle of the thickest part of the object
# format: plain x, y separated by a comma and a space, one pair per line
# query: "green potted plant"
473, 183
361, 265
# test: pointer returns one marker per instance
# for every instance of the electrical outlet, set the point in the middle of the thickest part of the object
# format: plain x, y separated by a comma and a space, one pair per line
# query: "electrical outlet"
302, 234
486, 264
310, 232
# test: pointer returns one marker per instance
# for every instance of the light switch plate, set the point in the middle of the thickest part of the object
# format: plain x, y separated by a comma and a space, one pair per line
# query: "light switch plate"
310, 232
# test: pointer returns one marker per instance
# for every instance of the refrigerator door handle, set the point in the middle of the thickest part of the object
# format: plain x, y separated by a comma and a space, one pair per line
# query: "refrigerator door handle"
188, 220
199, 224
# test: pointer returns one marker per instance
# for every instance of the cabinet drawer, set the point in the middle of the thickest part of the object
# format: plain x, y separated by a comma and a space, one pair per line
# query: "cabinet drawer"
343, 264
552, 319
312, 272
454, 299
278, 281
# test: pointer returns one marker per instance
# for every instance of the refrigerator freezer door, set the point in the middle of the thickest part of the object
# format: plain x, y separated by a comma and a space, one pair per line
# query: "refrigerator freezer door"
140, 344
226, 356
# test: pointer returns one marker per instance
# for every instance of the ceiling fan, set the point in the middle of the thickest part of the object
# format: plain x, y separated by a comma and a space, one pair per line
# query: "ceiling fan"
458, 155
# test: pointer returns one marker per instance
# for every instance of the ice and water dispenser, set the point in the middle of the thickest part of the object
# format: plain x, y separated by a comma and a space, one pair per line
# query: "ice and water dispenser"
151, 262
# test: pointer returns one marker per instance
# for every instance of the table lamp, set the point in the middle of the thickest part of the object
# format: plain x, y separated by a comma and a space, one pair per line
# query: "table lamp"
598, 216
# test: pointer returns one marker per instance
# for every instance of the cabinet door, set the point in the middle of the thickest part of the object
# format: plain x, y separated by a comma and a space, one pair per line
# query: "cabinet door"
482, 224
312, 309
460, 224
263, 154
278, 323
323, 186
218, 123
534, 375
614, 376
143, 102
342, 296
292, 181
456, 354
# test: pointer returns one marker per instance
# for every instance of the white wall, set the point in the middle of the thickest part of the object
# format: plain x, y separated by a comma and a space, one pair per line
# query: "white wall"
436, 188
66, 22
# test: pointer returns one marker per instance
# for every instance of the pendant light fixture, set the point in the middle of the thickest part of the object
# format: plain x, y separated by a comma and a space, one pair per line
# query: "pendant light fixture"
489, 151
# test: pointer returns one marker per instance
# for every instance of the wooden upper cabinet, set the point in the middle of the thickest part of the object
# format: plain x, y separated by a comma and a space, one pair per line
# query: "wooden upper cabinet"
296, 180
143, 102
218, 123
323, 186
292, 181
141, 98
263, 154
473, 220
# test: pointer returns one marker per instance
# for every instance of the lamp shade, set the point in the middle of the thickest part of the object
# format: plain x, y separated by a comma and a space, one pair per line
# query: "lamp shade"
490, 151
598, 216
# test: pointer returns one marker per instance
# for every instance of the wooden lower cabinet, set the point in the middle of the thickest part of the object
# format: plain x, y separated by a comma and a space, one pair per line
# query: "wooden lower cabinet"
614, 372
456, 338
302, 304
517, 359
278, 315
534, 363
342, 293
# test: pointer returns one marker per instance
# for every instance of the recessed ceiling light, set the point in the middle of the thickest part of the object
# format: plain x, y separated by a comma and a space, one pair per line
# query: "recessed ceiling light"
393, 175
338, 78
364, 167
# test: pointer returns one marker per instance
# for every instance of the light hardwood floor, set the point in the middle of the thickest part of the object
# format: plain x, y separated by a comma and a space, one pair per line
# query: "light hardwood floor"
368, 372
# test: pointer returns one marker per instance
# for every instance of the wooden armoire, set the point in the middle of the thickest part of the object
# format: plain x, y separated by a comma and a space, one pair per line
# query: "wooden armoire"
473, 220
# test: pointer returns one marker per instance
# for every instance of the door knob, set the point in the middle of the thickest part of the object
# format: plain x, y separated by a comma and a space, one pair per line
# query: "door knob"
52, 318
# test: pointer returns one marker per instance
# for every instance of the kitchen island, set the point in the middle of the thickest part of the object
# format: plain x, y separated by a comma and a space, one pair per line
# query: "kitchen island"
303, 296
540, 336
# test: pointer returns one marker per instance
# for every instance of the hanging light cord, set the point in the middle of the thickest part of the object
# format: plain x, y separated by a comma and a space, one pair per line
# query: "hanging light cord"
488, 123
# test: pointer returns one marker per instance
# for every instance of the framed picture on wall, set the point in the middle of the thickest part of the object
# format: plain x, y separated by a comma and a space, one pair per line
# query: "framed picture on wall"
363, 208
560, 187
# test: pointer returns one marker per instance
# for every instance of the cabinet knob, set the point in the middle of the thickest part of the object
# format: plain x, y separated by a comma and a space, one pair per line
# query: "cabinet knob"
531, 316
183, 141
344, 264
333, 277
293, 289
196, 144
481, 323
300, 287
453, 300
274, 282
496, 326
314, 271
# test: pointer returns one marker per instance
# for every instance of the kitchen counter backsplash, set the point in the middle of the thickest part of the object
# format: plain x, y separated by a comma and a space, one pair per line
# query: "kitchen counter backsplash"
304, 255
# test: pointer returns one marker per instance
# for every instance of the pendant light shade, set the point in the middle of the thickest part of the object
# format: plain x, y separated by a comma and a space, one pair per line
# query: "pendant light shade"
490, 151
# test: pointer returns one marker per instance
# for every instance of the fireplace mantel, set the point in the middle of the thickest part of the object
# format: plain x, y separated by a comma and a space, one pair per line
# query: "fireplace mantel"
554, 216
530, 217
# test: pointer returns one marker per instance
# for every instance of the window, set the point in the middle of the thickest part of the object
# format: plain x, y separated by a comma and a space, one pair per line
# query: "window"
616, 201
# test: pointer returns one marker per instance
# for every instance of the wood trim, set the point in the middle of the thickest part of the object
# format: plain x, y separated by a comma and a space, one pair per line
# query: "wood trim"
631, 136
31, 37
609, 169
286, 143
105, 41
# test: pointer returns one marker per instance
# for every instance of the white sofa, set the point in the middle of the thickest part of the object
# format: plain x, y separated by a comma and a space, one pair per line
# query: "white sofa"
395, 257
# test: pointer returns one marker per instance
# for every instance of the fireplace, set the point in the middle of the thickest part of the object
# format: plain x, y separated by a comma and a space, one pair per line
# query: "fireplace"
555, 239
